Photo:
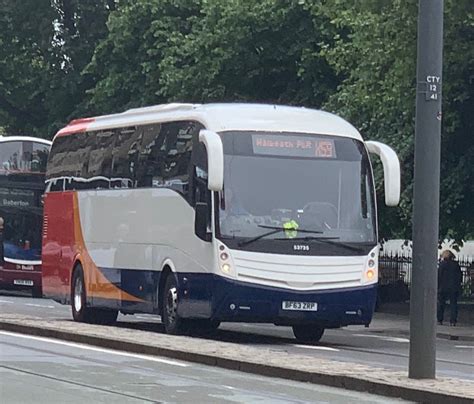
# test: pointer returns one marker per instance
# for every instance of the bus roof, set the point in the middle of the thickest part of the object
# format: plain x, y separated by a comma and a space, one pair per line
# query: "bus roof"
24, 139
224, 117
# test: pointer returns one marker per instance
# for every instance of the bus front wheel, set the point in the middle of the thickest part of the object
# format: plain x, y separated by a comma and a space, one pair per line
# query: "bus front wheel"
173, 323
308, 333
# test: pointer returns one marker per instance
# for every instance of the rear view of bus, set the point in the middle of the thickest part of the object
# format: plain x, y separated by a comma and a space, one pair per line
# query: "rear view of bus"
212, 213
22, 172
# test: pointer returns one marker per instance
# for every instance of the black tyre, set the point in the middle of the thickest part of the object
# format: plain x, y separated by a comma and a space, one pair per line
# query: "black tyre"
173, 323
80, 311
308, 333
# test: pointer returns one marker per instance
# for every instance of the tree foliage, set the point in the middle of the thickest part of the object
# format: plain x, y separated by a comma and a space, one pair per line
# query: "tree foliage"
242, 50
25, 57
73, 58
44, 46
375, 56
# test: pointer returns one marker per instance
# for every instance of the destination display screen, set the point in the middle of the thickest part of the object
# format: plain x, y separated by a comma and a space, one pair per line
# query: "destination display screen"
16, 198
294, 146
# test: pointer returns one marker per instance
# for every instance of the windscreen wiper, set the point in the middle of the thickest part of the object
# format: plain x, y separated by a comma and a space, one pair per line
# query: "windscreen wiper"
290, 229
269, 233
327, 240
275, 229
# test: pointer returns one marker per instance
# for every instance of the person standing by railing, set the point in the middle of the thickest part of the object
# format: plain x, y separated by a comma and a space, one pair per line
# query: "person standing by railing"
449, 286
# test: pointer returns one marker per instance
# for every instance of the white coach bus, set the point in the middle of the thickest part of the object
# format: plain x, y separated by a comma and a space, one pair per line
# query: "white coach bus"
212, 213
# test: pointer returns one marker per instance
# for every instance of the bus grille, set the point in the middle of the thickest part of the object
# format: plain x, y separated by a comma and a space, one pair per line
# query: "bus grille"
299, 272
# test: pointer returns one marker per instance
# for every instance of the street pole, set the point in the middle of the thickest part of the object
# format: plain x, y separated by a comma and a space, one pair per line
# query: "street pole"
422, 364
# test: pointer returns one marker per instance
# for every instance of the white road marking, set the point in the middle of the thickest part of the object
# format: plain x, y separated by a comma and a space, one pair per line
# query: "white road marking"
39, 305
317, 347
96, 349
229, 387
391, 339
6, 301
465, 346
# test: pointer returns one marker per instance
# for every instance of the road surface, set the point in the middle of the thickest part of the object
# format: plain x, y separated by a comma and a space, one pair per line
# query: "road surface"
40, 370
351, 344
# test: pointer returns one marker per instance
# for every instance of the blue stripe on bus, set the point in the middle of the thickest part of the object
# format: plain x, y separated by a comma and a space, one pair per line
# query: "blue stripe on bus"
204, 295
231, 300
139, 283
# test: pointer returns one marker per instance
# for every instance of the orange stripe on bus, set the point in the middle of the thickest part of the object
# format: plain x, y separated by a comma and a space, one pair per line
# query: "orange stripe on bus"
97, 285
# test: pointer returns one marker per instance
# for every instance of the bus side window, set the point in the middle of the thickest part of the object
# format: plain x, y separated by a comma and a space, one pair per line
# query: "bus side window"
150, 156
123, 154
178, 156
165, 157
99, 147
201, 190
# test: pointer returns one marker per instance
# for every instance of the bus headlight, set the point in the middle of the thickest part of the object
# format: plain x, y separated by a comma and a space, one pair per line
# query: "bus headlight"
226, 268
370, 274
225, 260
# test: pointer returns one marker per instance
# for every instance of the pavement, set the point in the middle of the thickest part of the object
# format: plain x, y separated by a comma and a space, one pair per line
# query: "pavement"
259, 360
393, 319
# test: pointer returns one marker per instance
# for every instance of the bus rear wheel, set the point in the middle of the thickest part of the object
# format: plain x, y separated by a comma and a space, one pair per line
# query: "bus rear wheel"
308, 333
80, 311
172, 322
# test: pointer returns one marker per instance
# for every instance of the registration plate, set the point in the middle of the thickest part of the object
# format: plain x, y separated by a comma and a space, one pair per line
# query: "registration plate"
23, 282
301, 306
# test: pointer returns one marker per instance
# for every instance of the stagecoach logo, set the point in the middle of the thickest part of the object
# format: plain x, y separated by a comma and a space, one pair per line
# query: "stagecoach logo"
300, 247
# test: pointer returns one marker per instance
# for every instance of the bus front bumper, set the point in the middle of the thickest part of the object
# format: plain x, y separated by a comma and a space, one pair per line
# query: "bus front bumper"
221, 299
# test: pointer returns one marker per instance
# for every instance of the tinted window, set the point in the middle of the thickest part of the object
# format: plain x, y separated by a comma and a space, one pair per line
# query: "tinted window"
124, 155
156, 155
22, 213
23, 157
164, 158
69, 156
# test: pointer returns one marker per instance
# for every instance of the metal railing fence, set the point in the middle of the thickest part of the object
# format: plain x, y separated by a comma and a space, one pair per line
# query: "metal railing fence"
397, 268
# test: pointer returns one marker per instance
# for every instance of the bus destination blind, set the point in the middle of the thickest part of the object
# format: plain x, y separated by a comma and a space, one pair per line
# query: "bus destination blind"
294, 146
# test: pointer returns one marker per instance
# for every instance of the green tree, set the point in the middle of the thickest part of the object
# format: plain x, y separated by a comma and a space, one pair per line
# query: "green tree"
375, 57
263, 51
25, 57
44, 45
126, 65
159, 51
80, 26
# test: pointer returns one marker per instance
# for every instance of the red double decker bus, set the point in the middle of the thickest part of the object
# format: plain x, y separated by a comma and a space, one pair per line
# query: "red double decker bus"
22, 173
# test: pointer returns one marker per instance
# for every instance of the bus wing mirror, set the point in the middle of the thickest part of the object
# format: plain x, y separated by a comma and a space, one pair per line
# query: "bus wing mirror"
391, 170
200, 221
215, 159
